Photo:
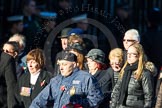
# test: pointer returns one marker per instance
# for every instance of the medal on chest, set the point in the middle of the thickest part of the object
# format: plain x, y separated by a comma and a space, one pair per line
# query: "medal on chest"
72, 91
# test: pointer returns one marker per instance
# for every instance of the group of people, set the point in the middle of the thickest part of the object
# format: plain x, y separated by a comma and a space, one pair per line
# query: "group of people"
82, 79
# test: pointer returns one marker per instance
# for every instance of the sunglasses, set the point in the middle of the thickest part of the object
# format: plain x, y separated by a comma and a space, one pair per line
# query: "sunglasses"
128, 40
7, 51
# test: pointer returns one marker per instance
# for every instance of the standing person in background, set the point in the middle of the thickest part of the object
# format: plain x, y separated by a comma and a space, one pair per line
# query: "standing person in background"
12, 48
124, 13
30, 20
21, 40
63, 7
74, 38
8, 81
131, 37
15, 26
64, 44
77, 49
81, 28
35, 80
81, 22
96, 66
151, 39
48, 21
134, 87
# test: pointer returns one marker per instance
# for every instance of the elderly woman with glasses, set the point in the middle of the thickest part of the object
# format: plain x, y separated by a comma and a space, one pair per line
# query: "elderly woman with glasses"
35, 80
134, 88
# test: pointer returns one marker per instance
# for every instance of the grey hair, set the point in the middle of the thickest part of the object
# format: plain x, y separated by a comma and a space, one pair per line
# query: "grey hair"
134, 33
21, 40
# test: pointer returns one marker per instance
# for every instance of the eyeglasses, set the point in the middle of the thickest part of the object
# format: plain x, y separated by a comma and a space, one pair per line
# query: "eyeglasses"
128, 40
114, 63
132, 54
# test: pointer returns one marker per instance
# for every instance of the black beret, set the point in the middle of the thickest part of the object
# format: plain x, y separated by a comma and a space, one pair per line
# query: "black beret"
69, 57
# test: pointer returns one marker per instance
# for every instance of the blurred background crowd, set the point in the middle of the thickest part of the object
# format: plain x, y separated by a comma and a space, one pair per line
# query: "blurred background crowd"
117, 15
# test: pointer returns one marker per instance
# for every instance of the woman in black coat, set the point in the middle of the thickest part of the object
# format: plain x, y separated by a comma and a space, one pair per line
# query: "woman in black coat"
134, 88
96, 66
35, 80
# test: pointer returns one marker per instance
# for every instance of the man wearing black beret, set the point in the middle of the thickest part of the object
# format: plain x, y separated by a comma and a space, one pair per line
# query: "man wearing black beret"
72, 88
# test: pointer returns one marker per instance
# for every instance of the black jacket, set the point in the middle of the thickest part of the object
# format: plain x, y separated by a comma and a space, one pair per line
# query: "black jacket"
111, 72
139, 95
43, 79
7, 81
104, 80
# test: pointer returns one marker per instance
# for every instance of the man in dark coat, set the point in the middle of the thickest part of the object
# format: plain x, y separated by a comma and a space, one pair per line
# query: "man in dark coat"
8, 81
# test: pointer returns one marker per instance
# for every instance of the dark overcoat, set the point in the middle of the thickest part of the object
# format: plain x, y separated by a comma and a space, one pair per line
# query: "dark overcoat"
43, 79
7, 81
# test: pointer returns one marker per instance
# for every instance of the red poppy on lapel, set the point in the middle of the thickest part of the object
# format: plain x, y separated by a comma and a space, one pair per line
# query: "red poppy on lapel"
62, 88
24, 68
42, 83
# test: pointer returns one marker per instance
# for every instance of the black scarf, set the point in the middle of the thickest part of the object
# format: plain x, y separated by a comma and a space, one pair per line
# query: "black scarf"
125, 81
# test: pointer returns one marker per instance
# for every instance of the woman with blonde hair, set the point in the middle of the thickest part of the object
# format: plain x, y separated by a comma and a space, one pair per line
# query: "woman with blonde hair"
116, 62
134, 88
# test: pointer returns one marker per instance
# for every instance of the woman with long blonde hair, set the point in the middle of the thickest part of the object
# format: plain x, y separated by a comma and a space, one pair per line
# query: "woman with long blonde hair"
134, 88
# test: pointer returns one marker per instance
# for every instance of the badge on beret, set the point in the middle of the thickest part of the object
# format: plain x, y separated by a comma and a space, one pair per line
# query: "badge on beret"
25, 91
72, 91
